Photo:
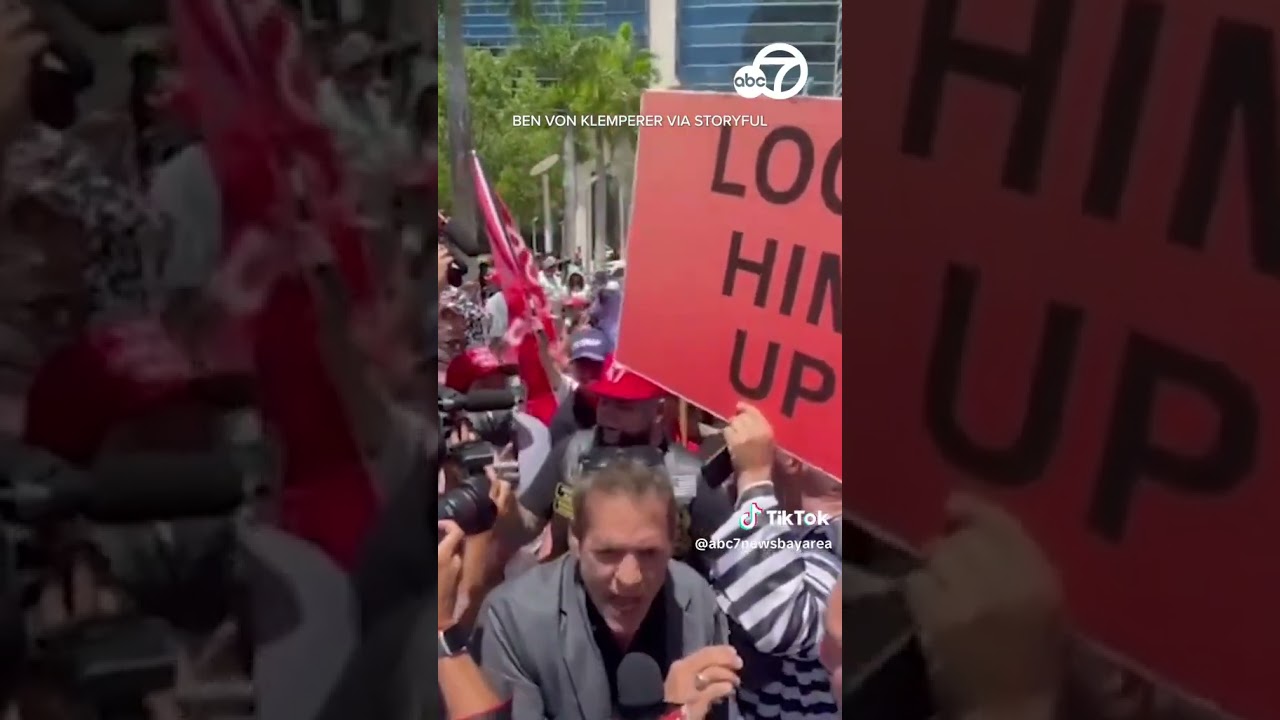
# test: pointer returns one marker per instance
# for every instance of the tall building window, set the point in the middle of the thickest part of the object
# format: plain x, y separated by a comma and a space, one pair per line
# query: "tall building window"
488, 22
716, 37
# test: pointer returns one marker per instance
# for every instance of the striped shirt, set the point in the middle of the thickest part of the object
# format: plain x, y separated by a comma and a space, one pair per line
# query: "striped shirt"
775, 594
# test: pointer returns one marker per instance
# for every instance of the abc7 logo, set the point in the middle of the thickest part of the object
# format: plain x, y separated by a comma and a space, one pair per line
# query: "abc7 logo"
750, 81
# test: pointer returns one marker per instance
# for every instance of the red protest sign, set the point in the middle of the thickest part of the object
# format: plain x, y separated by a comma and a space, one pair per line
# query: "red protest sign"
733, 262
1065, 241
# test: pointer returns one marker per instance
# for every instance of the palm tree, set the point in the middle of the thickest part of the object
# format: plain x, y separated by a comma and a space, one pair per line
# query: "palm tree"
588, 74
593, 74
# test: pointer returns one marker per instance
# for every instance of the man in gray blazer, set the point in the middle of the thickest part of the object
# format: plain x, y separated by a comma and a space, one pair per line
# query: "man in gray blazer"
555, 636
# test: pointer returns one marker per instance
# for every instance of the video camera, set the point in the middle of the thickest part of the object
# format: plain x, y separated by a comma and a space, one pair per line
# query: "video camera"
489, 414
110, 663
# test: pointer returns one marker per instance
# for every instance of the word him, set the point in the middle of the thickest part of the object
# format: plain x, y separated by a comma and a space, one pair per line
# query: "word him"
808, 378
1234, 111
605, 121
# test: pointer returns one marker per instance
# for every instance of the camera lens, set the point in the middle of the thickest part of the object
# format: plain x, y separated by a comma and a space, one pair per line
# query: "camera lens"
469, 506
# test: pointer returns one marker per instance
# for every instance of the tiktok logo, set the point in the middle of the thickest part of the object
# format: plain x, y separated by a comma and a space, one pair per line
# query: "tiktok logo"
750, 517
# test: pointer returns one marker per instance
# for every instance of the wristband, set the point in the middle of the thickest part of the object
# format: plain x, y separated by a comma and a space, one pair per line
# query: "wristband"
451, 642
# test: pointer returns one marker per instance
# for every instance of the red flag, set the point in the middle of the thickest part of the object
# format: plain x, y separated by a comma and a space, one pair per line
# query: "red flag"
527, 304
513, 262
281, 179
284, 203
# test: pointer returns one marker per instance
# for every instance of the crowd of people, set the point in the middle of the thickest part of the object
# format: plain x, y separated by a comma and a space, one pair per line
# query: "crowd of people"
215, 513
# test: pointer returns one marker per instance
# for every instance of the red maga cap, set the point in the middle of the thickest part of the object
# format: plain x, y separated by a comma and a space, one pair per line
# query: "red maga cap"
470, 367
618, 382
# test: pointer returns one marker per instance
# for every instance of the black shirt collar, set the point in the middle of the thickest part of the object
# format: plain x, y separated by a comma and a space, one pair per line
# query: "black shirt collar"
651, 638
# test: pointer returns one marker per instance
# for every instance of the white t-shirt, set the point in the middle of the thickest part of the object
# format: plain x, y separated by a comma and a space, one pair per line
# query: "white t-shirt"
185, 192
495, 309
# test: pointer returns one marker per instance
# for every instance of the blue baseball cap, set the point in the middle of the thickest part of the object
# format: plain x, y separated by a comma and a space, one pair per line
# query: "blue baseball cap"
590, 344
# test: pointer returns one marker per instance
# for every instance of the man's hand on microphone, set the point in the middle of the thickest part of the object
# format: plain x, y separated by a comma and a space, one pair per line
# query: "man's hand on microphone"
449, 560
703, 678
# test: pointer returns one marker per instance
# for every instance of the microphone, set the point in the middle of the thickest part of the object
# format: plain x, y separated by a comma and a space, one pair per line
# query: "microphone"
640, 688
121, 489
478, 401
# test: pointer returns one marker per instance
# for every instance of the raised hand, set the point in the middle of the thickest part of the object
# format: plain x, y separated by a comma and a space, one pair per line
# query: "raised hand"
989, 609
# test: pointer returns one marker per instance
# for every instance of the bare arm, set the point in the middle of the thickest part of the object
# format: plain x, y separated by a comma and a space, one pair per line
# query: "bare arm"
794, 628
537, 501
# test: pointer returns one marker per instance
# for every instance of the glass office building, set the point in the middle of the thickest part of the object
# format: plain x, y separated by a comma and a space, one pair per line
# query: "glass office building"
716, 37
488, 22
710, 39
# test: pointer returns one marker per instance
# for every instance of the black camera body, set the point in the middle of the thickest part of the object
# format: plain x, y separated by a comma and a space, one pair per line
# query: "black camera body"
469, 504
115, 663
473, 457
490, 415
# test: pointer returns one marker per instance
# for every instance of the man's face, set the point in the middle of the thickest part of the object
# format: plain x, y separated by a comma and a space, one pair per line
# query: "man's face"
626, 417
452, 335
623, 555
586, 371
45, 256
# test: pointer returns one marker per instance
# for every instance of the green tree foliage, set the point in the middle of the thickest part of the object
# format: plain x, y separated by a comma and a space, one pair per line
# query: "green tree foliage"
500, 89
553, 68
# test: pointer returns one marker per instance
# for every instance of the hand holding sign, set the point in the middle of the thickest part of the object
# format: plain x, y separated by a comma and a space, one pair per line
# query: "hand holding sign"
770, 260
990, 614
749, 438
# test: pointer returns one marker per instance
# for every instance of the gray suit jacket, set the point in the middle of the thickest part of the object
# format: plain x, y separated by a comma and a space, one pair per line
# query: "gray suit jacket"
535, 639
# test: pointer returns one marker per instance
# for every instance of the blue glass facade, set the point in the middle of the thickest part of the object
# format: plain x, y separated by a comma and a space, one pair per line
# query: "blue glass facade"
716, 37
488, 22
713, 37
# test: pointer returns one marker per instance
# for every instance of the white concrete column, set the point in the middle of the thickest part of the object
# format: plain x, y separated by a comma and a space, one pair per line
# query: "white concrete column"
664, 40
